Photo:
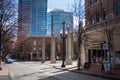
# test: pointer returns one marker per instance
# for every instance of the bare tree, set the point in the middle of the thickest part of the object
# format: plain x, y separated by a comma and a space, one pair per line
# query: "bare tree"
110, 31
78, 11
8, 19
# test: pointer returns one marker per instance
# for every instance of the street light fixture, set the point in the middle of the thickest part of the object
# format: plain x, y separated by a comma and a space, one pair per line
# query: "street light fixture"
63, 36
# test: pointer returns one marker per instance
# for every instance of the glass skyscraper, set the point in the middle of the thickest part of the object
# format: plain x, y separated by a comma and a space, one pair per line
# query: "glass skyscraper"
56, 17
33, 17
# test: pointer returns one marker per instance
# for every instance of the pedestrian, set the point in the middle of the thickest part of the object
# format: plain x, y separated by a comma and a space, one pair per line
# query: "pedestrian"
102, 67
42, 61
112, 61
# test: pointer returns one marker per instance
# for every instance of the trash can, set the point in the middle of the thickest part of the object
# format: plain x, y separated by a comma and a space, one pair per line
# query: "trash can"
87, 65
106, 65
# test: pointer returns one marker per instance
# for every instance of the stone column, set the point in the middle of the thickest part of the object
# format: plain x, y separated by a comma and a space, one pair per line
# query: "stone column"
69, 49
53, 60
27, 56
72, 47
43, 50
38, 58
31, 56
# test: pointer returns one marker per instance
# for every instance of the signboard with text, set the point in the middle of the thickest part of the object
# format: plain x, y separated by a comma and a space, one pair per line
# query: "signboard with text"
105, 46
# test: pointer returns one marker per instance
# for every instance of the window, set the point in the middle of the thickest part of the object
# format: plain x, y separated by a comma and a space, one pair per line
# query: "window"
34, 48
90, 2
96, 1
117, 7
90, 19
34, 43
117, 56
96, 16
104, 13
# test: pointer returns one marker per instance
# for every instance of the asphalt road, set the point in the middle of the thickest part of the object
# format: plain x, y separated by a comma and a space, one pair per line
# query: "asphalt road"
37, 71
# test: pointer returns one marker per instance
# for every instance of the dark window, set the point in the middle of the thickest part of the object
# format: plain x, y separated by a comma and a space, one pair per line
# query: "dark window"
96, 1
117, 56
117, 7
96, 16
90, 19
104, 13
90, 2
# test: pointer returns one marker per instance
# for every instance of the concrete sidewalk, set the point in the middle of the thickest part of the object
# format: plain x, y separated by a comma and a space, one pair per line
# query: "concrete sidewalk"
4, 73
94, 70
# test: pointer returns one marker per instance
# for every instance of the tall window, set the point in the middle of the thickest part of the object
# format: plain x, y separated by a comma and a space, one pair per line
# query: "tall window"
90, 19
90, 2
34, 43
117, 7
96, 1
96, 16
104, 13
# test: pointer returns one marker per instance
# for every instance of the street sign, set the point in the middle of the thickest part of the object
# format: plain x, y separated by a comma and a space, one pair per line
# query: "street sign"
105, 46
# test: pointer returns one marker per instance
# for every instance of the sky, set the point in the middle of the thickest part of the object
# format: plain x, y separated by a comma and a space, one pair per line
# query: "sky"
59, 4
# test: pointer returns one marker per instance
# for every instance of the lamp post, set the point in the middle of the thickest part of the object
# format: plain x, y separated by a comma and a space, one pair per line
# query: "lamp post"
63, 36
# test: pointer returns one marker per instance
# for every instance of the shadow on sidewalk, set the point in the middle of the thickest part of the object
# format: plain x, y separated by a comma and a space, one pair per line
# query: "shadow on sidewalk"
4, 77
95, 70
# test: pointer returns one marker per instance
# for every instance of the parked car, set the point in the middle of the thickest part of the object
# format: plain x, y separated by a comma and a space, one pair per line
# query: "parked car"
9, 60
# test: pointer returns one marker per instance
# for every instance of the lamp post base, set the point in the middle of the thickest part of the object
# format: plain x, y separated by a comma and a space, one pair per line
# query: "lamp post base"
62, 65
79, 64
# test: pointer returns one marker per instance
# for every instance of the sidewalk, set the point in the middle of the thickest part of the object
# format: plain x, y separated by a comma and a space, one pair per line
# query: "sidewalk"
94, 70
4, 73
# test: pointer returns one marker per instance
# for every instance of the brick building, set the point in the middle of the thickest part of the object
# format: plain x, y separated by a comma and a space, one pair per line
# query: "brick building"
32, 48
102, 27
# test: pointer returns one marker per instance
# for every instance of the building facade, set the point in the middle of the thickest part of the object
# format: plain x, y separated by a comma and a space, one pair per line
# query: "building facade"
55, 19
102, 29
33, 17
32, 48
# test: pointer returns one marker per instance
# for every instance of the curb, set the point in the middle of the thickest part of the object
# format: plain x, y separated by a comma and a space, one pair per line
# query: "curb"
96, 75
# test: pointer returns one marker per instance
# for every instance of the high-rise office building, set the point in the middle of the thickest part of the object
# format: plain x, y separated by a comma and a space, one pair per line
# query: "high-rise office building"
55, 18
33, 17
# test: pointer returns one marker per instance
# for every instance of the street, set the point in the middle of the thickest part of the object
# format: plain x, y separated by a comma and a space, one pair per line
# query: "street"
38, 71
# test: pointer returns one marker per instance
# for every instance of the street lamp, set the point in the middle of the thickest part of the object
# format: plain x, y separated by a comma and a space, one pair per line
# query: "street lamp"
63, 36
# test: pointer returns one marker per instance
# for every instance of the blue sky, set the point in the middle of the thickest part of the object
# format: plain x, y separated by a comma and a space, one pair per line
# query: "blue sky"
59, 4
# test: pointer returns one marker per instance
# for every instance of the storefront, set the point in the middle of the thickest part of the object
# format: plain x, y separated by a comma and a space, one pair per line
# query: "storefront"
96, 55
